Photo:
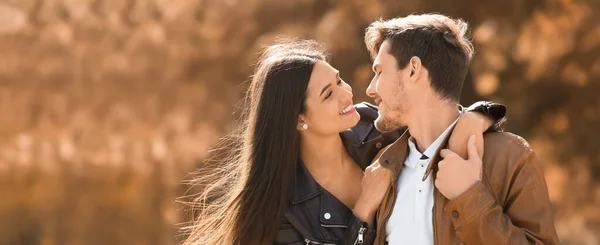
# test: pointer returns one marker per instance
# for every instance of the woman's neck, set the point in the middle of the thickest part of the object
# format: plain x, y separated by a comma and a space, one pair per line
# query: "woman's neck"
321, 152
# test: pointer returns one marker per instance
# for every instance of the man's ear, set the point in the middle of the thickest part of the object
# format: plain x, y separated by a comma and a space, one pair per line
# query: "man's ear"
415, 67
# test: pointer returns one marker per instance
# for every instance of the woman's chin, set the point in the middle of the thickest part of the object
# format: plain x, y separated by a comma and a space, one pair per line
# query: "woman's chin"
351, 121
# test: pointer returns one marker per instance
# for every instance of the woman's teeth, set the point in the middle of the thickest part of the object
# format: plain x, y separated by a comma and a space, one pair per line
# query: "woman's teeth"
346, 110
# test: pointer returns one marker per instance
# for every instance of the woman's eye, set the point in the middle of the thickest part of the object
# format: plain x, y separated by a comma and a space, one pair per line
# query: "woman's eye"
328, 95
340, 81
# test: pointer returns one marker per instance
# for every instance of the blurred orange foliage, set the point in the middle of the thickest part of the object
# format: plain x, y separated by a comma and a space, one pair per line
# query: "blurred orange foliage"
108, 104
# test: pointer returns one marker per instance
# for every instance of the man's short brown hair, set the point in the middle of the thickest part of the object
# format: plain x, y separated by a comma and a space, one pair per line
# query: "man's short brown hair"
439, 41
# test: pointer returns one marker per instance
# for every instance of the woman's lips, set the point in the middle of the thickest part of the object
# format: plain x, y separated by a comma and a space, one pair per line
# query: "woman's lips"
350, 111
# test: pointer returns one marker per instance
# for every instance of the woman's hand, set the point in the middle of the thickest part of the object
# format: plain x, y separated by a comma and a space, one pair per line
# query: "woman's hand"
375, 185
470, 123
456, 175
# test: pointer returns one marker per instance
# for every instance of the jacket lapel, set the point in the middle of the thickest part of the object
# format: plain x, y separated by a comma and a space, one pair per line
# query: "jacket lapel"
393, 157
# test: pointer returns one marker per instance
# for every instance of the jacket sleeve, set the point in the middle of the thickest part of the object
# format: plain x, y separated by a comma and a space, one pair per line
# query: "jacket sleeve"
494, 110
479, 219
358, 230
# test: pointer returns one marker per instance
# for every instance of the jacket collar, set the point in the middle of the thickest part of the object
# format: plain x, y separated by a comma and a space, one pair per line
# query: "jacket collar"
436, 157
305, 186
393, 157
332, 211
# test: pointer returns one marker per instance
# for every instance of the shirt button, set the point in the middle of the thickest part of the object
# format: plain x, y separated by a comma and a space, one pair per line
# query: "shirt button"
455, 214
327, 216
378, 145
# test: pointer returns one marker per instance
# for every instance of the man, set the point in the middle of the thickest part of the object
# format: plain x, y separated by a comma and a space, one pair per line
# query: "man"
420, 63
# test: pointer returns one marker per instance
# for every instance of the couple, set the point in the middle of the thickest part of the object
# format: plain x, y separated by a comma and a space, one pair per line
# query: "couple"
315, 169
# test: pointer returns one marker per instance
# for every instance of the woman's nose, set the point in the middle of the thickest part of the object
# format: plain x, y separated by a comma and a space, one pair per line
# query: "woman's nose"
347, 94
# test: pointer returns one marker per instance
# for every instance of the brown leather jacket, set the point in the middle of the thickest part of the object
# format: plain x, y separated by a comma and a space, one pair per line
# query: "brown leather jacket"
510, 205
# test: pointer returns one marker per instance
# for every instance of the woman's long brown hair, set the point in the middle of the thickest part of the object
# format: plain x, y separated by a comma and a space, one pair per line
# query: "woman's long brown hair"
245, 195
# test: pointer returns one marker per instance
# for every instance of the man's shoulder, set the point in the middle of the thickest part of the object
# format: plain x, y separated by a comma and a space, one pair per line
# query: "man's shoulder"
505, 141
506, 150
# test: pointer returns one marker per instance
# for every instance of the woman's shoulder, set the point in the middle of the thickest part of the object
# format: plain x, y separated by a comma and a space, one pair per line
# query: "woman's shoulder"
364, 141
364, 130
368, 112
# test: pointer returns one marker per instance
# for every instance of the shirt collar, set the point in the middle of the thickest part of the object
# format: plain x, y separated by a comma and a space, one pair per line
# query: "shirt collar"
415, 155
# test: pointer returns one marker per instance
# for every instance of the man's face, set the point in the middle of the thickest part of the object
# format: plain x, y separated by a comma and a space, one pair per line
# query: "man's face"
388, 88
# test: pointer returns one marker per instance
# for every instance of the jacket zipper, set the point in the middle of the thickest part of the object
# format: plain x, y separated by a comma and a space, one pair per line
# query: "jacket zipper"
313, 242
334, 226
360, 239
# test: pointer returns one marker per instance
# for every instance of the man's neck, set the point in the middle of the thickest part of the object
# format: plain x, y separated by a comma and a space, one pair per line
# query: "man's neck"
427, 124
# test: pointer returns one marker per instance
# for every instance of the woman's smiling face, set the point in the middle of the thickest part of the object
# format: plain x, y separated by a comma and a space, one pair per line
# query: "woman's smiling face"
329, 105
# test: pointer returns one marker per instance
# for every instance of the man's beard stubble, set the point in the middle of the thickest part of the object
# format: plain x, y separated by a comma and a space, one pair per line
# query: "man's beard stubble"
393, 120
387, 124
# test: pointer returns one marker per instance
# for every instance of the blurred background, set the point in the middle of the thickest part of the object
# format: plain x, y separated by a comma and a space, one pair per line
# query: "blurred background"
107, 105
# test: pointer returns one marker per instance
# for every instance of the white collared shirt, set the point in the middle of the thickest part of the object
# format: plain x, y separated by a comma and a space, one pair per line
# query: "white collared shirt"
411, 221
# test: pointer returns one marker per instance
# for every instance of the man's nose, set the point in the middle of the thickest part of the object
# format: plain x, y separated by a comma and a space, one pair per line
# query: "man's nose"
371, 92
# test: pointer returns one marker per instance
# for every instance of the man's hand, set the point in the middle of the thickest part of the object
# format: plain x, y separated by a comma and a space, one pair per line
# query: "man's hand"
375, 184
456, 175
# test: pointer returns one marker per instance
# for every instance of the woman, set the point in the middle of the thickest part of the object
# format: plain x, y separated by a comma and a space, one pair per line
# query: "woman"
298, 177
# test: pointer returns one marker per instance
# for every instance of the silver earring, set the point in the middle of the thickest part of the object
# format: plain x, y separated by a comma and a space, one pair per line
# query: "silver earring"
304, 126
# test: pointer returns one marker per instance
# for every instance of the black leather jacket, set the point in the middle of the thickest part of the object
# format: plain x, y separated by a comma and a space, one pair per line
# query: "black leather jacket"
315, 216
